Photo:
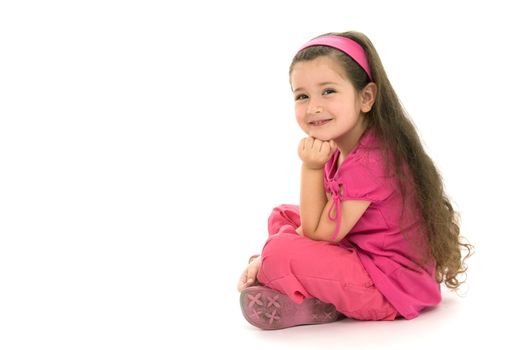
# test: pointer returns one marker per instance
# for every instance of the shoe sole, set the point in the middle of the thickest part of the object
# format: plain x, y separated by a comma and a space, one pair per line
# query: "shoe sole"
267, 309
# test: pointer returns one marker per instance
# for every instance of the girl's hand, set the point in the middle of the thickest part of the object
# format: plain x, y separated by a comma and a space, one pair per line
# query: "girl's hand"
315, 153
249, 275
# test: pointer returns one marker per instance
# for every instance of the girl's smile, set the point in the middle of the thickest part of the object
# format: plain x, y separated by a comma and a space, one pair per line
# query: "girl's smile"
319, 122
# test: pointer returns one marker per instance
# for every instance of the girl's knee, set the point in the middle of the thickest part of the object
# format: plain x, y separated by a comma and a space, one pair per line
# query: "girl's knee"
280, 245
283, 215
277, 255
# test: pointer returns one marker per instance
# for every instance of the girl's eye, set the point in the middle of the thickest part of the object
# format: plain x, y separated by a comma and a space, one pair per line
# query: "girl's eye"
300, 97
328, 91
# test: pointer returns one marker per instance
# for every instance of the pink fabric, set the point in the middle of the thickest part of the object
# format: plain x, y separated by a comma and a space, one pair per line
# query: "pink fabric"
350, 47
303, 268
390, 260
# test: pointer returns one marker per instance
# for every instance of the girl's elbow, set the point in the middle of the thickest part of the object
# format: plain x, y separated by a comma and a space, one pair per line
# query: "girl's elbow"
310, 234
321, 236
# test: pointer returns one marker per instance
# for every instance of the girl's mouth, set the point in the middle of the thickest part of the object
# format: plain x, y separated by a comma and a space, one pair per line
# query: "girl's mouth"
319, 122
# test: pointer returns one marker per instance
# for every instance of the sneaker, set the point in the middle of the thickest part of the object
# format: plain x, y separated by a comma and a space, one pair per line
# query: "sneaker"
268, 309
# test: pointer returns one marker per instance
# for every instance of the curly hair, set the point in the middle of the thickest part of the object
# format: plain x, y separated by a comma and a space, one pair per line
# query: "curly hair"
403, 149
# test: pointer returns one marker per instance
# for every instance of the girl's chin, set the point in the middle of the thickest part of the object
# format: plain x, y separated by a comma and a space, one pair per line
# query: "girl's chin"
320, 136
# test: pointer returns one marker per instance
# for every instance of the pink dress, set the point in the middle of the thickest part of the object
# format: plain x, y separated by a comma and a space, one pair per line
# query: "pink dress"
374, 273
393, 263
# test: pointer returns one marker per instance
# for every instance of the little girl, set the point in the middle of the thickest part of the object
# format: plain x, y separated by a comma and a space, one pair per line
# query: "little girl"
375, 234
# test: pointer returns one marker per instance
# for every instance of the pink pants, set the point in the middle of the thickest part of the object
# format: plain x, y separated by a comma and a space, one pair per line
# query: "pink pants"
303, 268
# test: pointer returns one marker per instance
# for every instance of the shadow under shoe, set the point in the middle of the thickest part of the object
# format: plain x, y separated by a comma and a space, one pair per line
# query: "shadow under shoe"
266, 308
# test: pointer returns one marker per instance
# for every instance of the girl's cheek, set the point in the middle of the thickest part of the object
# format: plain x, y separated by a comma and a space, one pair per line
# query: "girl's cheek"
298, 117
300, 121
299, 114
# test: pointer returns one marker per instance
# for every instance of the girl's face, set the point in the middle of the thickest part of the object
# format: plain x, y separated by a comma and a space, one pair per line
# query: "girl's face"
327, 106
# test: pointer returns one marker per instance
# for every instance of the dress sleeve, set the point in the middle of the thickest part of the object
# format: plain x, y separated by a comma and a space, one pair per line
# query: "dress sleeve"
364, 178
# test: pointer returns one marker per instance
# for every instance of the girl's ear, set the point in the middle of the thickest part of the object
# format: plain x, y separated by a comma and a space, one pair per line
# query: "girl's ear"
368, 97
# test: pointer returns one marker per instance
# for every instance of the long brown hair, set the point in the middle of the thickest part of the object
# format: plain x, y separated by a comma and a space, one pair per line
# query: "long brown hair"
403, 147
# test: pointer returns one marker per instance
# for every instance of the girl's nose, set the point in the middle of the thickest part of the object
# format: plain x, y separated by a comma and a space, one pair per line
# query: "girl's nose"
314, 108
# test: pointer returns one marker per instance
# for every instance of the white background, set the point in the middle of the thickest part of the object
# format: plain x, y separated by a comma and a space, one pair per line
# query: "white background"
144, 143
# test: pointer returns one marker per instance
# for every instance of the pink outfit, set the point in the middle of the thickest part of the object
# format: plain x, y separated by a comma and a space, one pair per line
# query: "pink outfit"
374, 271
303, 268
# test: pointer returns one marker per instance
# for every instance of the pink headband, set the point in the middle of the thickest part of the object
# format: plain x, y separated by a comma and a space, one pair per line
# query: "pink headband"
348, 46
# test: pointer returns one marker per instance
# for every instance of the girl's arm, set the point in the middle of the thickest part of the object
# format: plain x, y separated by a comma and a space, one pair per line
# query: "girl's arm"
314, 153
351, 212
314, 205
315, 209
312, 200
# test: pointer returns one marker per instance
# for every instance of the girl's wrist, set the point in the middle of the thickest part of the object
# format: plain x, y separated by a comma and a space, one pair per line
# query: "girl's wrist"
313, 167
